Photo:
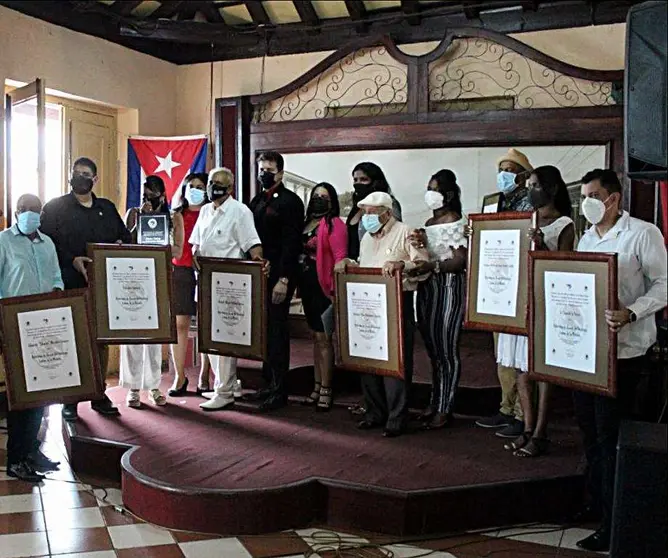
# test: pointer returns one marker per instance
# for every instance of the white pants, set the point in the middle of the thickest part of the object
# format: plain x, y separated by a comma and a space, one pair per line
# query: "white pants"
141, 366
225, 371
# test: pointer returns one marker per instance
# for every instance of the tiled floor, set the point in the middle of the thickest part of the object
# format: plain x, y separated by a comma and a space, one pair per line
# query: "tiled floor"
67, 519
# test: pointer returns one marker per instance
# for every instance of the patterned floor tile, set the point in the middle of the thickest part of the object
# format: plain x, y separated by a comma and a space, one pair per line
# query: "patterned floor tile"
112, 517
322, 540
163, 551
230, 548
549, 535
572, 536
184, 536
18, 503
68, 499
21, 545
25, 522
109, 497
279, 544
71, 541
139, 535
96, 554
81, 518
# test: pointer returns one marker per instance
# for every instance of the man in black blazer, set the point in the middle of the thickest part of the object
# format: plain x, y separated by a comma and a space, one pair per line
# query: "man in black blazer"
279, 221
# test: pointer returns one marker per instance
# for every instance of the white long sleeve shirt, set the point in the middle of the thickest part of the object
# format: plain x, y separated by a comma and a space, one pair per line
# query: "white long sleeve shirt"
641, 277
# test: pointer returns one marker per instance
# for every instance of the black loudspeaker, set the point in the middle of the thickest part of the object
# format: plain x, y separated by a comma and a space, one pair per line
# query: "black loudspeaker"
639, 509
645, 93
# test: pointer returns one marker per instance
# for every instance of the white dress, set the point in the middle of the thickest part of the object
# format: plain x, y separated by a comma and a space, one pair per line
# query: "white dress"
513, 350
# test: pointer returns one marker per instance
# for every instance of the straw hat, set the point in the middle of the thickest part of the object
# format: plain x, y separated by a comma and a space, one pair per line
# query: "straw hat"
517, 157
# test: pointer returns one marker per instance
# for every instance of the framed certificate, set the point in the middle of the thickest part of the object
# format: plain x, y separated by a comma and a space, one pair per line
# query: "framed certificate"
491, 203
570, 342
153, 229
231, 306
496, 295
49, 350
132, 293
369, 320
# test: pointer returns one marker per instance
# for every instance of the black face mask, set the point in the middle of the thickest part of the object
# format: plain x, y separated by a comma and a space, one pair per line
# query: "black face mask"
215, 190
318, 206
266, 179
539, 197
155, 202
361, 191
81, 184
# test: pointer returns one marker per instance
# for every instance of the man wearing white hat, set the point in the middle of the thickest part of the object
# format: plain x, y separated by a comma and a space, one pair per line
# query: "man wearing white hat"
387, 246
512, 174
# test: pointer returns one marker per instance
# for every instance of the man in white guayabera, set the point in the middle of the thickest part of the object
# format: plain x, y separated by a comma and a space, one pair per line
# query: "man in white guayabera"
641, 277
224, 229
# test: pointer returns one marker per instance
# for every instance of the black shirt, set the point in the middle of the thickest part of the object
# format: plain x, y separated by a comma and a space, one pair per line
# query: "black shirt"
72, 226
279, 221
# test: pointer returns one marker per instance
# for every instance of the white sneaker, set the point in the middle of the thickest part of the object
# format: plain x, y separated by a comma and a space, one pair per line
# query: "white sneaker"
217, 403
208, 394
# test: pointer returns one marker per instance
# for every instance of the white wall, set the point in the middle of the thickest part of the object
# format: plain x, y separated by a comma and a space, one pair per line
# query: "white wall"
408, 170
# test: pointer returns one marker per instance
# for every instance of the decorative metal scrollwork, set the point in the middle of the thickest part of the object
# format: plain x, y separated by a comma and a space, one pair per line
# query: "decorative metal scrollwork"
367, 82
475, 68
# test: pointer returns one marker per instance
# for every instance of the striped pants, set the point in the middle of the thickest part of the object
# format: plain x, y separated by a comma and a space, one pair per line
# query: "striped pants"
440, 309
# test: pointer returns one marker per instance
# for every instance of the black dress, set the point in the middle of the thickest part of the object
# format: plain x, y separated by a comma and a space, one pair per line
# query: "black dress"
313, 299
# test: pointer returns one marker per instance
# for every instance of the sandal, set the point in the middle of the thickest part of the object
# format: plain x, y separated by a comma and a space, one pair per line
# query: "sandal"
315, 395
133, 399
325, 399
519, 442
156, 397
535, 447
203, 389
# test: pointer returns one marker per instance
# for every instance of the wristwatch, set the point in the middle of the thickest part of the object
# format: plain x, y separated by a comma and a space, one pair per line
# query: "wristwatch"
632, 316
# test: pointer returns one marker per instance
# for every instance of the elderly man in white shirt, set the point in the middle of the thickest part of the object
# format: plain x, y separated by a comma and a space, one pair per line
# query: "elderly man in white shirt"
224, 229
641, 259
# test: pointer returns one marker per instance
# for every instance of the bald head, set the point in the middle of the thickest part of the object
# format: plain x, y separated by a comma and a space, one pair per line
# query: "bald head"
28, 202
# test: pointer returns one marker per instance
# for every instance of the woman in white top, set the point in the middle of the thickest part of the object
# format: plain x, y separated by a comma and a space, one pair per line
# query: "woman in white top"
440, 300
555, 231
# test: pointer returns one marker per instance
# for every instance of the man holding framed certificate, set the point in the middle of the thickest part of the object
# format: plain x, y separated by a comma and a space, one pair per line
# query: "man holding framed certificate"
28, 266
641, 256
224, 229
388, 246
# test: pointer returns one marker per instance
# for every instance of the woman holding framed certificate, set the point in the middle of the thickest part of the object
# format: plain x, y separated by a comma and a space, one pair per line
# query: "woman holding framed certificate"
555, 231
141, 365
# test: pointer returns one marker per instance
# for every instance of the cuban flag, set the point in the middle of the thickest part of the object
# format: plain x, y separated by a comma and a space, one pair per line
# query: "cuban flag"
172, 159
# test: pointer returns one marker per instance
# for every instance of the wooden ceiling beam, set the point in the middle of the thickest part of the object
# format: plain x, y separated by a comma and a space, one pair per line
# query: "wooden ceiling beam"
471, 9
123, 7
529, 5
211, 11
411, 8
306, 12
257, 12
166, 10
357, 11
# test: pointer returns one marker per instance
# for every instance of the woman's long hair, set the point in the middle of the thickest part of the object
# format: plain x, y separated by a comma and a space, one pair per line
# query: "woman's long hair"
446, 185
551, 181
203, 177
334, 207
157, 186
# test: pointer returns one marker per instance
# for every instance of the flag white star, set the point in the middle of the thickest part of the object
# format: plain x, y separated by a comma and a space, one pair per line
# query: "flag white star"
166, 164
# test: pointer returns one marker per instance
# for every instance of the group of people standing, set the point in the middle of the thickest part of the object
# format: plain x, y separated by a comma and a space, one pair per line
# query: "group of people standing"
304, 247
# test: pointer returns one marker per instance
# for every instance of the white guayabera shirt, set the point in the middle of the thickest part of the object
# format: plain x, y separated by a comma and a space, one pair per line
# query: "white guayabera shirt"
641, 273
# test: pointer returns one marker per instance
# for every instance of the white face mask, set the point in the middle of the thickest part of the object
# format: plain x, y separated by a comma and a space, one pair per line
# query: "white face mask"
594, 209
433, 199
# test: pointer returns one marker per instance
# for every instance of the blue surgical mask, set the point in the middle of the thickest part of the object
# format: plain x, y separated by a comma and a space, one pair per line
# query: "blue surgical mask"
371, 223
28, 222
194, 196
505, 181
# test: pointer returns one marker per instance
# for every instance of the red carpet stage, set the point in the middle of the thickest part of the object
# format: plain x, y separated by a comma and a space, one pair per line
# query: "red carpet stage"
240, 472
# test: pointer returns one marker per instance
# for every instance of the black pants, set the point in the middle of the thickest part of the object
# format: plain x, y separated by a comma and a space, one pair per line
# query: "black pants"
275, 368
386, 398
599, 418
22, 429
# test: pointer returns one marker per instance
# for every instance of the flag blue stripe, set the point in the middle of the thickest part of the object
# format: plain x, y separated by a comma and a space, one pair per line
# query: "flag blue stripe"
134, 179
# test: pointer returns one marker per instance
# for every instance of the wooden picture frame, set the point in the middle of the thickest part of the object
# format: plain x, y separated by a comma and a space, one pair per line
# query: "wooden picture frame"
602, 269
394, 365
516, 324
91, 385
491, 203
256, 348
165, 330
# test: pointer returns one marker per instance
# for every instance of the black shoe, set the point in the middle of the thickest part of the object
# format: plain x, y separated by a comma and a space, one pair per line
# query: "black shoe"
105, 407
42, 463
25, 472
596, 542
259, 395
182, 390
367, 424
392, 432
512, 430
273, 402
70, 413
497, 421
